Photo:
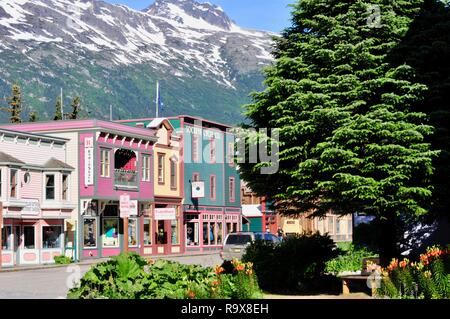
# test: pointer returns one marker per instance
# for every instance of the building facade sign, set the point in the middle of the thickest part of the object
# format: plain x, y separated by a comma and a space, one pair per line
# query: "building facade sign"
165, 214
89, 161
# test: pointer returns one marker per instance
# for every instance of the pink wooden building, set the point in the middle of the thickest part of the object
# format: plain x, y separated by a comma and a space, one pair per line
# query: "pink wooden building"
35, 183
110, 160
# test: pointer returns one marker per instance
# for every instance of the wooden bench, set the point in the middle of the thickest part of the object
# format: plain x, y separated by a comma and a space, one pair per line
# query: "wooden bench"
361, 279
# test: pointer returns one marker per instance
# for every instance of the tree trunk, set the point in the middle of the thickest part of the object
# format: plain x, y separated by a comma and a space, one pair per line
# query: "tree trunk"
388, 237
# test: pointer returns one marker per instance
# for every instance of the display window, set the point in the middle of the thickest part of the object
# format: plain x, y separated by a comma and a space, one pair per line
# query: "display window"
90, 232
132, 232
51, 236
110, 232
147, 231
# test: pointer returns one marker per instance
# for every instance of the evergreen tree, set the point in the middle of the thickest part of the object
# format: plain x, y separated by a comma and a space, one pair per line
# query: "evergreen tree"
33, 117
15, 105
58, 110
75, 108
426, 47
349, 140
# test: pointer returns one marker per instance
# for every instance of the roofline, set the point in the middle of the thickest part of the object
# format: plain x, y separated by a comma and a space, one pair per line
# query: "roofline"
176, 117
41, 136
77, 125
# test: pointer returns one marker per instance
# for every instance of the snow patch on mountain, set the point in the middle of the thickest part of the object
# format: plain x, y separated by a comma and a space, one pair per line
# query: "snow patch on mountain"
172, 35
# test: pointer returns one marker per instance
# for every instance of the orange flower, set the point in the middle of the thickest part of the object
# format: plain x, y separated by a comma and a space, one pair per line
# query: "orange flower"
191, 294
219, 270
215, 283
240, 267
424, 259
404, 263
393, 265
249, 272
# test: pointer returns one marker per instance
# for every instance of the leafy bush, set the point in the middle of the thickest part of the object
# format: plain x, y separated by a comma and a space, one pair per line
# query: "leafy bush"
427, 279
295, 265
132, 277
63, 260
349, 259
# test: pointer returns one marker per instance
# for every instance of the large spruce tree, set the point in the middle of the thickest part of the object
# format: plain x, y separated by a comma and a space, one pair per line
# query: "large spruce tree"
349, 140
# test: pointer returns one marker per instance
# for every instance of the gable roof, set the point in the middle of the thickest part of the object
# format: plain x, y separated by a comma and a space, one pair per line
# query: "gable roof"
156, 123
57, 164
6, 158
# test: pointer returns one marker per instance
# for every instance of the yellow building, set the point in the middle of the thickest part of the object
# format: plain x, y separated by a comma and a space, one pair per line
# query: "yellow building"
163, 232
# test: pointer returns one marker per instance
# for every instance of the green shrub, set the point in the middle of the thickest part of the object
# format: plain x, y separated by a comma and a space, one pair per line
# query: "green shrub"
428, 278
63, 260
295, 265
349, 259
132, 277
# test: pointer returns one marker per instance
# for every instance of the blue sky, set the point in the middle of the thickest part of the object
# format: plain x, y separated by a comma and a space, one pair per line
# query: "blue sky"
270, 15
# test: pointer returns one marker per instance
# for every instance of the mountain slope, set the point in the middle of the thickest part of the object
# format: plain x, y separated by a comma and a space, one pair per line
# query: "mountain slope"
111, 54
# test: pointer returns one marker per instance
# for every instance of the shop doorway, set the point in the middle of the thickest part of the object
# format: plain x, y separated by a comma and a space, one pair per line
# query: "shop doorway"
162, 235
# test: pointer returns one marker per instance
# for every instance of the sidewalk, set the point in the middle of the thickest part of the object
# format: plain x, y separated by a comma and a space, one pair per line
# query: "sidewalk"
96, 261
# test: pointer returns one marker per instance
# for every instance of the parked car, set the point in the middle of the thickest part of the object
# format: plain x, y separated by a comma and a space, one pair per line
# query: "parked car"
235, 243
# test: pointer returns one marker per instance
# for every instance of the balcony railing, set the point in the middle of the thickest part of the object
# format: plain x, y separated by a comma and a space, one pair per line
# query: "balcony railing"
125, 178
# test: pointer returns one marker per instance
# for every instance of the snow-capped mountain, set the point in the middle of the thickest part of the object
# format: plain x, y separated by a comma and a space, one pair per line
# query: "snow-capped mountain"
111, 54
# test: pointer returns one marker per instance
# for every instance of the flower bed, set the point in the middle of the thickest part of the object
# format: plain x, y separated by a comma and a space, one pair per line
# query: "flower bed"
428, 278
132, 277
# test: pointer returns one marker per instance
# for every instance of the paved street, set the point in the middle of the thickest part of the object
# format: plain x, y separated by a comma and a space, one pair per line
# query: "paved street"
53, 283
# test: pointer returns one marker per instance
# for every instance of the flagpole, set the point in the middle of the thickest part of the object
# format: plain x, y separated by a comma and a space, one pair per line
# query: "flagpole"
157, 99
62, 106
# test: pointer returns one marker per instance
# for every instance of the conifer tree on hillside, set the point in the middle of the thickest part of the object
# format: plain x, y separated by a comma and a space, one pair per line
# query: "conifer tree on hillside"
75, 108
15, 105
58, 110
349, 140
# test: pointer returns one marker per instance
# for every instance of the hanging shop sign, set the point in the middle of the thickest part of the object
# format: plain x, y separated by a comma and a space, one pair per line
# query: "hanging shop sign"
198, 189
165, 214
124, 206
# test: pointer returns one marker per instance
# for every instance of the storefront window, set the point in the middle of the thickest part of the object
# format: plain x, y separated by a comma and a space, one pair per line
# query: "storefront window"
175, 232
28, 234
219, 233
90, 232
132, 232
192, 234
6, 238
147, 231
51, 237
110, 232
161, 235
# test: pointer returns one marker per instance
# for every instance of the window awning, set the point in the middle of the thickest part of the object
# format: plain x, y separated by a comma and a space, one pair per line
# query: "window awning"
251, 210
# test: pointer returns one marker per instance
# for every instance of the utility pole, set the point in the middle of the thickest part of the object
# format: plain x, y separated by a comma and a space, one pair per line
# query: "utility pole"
110, 113
125, 235
62, 106
157, 99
